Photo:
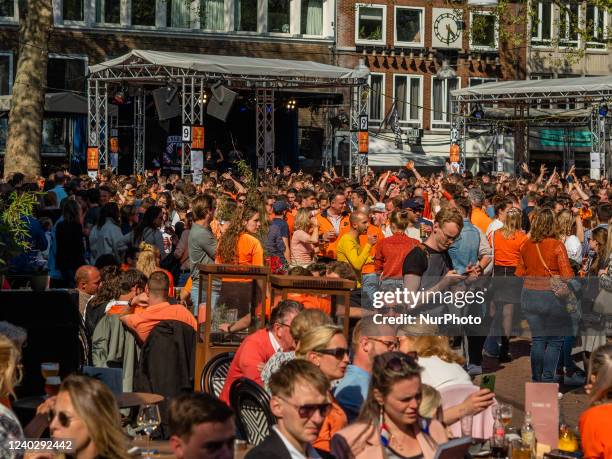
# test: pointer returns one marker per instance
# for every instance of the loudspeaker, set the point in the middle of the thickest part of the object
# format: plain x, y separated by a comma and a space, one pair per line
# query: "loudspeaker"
221, 101
166, 103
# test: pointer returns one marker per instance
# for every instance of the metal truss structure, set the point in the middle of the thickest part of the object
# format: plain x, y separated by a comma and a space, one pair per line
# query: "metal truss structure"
359, 107
144, 75
521, 102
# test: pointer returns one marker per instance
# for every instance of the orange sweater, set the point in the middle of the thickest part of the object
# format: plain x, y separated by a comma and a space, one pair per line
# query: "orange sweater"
531, 268
508, 251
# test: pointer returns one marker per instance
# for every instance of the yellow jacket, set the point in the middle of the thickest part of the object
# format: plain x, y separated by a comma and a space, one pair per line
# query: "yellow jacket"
349, 250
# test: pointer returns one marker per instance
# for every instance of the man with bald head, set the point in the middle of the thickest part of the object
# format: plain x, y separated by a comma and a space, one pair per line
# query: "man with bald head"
87, 282
370, 281
349, 250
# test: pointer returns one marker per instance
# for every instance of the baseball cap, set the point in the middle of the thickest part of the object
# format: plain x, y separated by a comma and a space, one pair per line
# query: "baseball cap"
279, 206
378, 207
412, 204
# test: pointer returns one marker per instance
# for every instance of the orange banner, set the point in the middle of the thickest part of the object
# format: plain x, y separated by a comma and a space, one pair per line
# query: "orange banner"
363, 140
454, 153
197, 138
93, 158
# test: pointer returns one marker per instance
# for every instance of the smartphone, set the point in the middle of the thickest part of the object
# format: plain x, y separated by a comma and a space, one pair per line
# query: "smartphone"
488, 382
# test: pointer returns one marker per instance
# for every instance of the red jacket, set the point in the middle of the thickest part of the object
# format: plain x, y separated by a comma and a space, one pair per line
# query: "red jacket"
255, 350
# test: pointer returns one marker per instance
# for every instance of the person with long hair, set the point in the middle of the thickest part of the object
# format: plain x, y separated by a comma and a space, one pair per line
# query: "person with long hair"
598, 245
327, 348
596, 422
149, 229
148, 263
507, 242
305, 239
239, 244
106, 237
544, 265
10, 375
70, 253
389, 424
569, 230
85, 412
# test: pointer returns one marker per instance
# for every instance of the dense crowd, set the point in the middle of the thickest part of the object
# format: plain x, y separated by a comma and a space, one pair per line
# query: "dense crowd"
131, 247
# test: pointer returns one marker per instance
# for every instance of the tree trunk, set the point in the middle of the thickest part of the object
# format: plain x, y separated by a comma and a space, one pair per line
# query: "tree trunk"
28, 101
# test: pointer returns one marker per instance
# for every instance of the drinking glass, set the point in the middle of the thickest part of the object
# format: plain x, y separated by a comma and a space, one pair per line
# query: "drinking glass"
505, 412
52, 385
520, 450
49, 369
148, 421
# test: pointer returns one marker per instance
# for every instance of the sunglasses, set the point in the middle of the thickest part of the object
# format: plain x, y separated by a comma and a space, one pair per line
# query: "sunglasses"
306, 411
391, 345
338, 352
62, 417
397, 364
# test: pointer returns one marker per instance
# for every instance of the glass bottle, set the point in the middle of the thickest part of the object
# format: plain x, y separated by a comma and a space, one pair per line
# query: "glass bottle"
499, 448
528, 433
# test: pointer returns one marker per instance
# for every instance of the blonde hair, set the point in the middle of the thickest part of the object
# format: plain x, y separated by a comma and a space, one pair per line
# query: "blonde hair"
565, 221
147, 259
95, 404
316, 339
514, 222
439, 346
302, 220
431, 401
10, 370
306, 321
600, 365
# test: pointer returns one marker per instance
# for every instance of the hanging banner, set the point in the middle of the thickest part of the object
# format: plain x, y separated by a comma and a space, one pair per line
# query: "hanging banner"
197, 137
363, 141
455, 153
93, 158
197, 165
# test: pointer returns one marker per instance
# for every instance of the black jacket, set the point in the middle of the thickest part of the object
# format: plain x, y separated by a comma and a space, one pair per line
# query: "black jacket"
166, 364
273, 447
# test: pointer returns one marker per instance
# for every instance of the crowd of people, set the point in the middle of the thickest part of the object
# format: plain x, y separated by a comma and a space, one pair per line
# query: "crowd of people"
131, 246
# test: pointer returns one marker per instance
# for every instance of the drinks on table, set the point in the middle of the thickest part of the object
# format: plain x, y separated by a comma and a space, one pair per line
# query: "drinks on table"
505, 412
49, 369
52, 385
528, 432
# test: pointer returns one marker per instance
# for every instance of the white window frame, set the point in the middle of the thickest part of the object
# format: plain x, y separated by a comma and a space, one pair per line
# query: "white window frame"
86, 11
496, 31
10, 67
411, 122
15, 16
81, 57
443, 125
420, 43
539, 41
382, 97
599, 45
291, 18
299, 26
566, 42
122, 6
383, 40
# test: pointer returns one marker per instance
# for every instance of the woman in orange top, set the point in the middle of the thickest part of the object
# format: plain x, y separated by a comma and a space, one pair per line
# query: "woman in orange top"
507, 242
596, 422
239, 245
542, 257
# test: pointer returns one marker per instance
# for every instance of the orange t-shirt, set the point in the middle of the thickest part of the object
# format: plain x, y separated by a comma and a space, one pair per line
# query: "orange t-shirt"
333, 422
508, 251
373, 230
144, 322
480, 219
595, 427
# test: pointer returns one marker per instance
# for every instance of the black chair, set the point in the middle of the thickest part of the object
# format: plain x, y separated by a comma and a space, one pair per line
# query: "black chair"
252, 407
214, 373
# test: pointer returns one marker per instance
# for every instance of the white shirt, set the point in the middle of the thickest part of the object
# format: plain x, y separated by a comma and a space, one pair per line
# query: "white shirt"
438, 374
294, 453
493, 226
574, 248
275, 344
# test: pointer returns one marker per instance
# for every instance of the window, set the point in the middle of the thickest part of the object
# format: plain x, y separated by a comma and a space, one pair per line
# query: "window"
483, 32
108, 11
66, 74
8, 9
596, 24
278, 16
6, 73
542, 23
54, 135
409, 25
73, 10
212, 15
377, 96
143, 12
370, 26
568, 24
177, 14
441, 101
245, 15
312, 17
407, 95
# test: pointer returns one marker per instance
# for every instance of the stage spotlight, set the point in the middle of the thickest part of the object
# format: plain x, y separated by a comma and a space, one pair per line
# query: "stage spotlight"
603, 110
291, 104
478, 113
203, 98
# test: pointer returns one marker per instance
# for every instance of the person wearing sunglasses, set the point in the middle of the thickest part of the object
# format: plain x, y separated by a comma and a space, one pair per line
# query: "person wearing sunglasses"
327, 348
201, 427
389, 425
300, 403
86, 414
369, 340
